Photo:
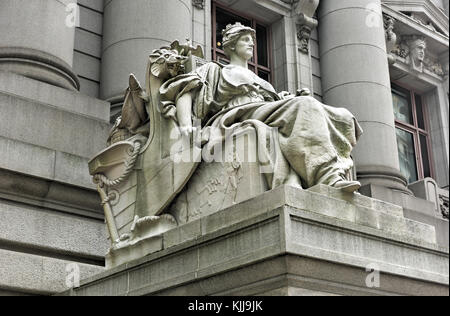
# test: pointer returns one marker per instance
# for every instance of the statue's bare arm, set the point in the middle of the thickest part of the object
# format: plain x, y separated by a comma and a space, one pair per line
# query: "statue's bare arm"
184, 113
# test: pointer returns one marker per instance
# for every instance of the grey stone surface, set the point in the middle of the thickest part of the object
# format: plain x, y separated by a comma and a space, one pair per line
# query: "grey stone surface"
131, 43
44, 163
280, 243
23, 45
349, 80
33, 90
50, 231
37, 275
28, 120
414, 208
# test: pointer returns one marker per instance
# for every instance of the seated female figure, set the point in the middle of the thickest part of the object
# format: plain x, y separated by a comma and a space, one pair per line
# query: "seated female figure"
314, 141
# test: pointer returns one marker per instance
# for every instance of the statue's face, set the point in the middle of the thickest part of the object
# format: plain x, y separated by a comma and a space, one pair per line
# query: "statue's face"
244, 47
419, 52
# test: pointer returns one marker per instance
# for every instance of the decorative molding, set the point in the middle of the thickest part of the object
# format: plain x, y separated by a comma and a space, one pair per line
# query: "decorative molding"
412, 50
411, 47
427, 7
306, 23
391, 37
443, 204
199, 4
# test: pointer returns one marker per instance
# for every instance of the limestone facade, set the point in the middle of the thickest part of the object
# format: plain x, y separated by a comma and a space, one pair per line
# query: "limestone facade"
63, 76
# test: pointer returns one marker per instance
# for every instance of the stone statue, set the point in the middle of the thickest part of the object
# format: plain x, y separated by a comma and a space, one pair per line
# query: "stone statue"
417, 48
147, 189
315, 140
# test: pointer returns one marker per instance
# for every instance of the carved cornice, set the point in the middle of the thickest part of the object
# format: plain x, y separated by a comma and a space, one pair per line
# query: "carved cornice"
306, 23
428, 7
408, 46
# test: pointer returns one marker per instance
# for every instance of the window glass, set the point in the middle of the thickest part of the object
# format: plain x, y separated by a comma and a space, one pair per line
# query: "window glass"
223, 18
261, 39
260, 65
223, 60
425, 156
407, 155
419, 110
264, 75
402, 105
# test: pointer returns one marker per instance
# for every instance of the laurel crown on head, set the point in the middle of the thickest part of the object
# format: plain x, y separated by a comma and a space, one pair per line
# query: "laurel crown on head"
234, 31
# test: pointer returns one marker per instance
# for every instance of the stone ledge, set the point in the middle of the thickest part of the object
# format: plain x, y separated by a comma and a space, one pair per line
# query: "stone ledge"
37, 91
49, 194
44, 163
26, 273
54, 232
277, 226
32, 122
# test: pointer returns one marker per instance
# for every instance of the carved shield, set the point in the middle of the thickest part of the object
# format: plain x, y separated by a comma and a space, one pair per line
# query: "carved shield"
167, 161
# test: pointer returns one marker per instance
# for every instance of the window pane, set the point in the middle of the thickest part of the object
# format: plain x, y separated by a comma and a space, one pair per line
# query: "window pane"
419, 109
425, 157
264, 75
402, 105
223, 18
222, 60
252, 68
262, 45
407, 155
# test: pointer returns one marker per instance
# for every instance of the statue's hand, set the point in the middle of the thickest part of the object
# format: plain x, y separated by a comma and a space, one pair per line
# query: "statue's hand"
187, 130
285, 95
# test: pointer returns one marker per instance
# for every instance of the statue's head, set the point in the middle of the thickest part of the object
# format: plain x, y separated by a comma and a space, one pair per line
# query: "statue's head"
417, 46
239, 39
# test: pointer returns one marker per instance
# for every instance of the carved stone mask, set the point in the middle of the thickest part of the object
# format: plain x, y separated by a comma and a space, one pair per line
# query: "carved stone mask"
166, 63
418, 52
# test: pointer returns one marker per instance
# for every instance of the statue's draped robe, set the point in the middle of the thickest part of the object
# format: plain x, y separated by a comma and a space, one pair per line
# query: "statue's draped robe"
312, 142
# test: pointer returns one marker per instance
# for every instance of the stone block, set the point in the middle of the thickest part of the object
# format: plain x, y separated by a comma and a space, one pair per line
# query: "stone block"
280, 246
25, 120
32, 274
58, 233
26, 88
187, 232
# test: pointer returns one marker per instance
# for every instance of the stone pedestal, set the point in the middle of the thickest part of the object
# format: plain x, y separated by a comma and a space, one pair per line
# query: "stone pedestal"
286, 242
37, 41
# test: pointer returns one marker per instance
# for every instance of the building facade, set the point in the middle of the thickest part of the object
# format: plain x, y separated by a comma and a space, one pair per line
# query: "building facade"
64, 72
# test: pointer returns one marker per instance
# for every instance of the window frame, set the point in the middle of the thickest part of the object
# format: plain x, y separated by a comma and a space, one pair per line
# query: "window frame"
253, 64
416, 131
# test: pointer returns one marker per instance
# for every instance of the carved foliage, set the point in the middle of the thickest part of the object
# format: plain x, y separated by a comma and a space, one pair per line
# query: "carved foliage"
443, 203
199, 4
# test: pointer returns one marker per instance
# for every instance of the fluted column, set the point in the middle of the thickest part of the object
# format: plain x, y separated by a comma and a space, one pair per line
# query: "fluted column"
36, 41
355, 75
132, 29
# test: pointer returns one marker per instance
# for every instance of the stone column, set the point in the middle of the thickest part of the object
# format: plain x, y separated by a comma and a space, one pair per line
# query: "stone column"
37, 42
132, 29
355, 75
